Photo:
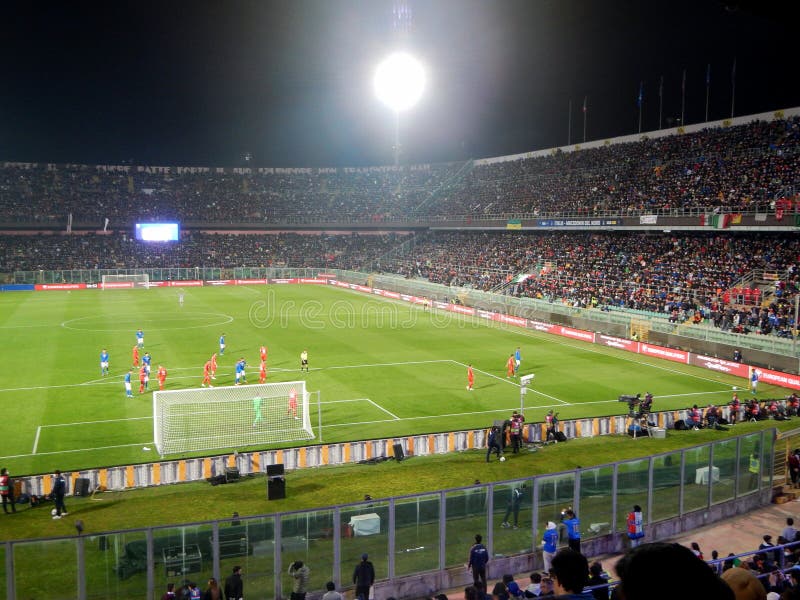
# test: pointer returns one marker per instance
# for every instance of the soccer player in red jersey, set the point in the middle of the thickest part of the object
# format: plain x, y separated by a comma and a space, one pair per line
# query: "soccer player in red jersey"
207, 374
470, 377
511, 366
136, 356
214, 366
162, 376
142, 379
263, 352
262, 372
292, 410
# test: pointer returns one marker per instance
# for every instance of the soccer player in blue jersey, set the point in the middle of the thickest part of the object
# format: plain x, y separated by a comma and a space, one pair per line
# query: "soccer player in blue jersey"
517, 359
238, 372
146, 360
140, 338
103, 362
128, 391
222, 344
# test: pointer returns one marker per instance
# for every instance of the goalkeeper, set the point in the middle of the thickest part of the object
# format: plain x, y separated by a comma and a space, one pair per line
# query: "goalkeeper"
257, 410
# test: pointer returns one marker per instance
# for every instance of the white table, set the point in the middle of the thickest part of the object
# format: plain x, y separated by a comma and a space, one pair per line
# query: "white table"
368, 524
701, 475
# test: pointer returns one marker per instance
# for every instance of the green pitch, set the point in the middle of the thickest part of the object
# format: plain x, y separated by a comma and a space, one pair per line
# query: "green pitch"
382, 368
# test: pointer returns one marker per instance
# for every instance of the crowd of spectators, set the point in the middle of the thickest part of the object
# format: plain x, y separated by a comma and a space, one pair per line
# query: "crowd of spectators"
686, 276
724, 169
195, 249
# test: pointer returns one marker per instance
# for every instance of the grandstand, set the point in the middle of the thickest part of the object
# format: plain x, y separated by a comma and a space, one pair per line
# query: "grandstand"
592, 244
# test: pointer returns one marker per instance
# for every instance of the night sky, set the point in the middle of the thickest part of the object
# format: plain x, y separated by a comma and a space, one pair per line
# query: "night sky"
202, 83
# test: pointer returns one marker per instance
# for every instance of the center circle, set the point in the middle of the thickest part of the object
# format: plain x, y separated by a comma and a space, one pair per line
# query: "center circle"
148, 322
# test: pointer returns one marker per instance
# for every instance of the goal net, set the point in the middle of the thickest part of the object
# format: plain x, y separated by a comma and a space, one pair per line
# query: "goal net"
230, 417
118, 282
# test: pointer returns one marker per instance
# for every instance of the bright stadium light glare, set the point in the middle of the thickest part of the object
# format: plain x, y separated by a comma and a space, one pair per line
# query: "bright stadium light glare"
399, 81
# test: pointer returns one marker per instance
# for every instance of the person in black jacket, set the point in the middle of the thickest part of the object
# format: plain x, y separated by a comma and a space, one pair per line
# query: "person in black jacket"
234, 587
363, 577
494, 443
59, 491
478, 557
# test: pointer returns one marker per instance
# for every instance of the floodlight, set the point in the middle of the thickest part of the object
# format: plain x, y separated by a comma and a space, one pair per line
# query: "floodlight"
399, 81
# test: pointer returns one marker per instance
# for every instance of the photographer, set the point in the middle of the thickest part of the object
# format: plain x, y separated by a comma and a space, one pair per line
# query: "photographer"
551, 420
301, 574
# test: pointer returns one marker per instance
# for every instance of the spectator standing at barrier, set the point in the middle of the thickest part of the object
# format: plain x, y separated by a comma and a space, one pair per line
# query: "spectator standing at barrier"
300, 574
7, 491
170, 593
363, 577
514, 504
549, 545
794, 470
234, 586
572, 523
635, 526
570, 573
59, 491
493, 443
212, 591
478, 558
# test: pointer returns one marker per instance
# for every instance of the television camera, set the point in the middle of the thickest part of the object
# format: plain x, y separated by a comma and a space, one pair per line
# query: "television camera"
632, 402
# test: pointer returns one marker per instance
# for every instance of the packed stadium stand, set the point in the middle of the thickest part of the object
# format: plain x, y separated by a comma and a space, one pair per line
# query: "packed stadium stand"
732, 169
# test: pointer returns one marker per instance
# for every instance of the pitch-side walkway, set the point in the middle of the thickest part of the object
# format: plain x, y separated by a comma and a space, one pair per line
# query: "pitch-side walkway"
738, 535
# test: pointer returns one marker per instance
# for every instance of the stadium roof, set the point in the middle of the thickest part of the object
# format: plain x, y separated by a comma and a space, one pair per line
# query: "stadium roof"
288, 83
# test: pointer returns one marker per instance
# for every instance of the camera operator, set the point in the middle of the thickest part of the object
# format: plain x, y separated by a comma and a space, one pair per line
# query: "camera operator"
551, 420
646, 407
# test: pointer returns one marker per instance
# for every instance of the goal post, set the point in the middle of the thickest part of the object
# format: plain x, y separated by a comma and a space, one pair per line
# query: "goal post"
230, 417
118, 282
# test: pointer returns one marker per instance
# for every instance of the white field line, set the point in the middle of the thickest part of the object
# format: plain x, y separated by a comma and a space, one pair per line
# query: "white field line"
36, 440
95, 422
78, 450
514, 383
378, 406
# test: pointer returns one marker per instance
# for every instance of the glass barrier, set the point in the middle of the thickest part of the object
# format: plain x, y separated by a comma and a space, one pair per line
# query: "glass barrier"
723, 481
365, 531
249, 544
597, 496
667, 487
465, 514
416, 539
181, 554
633, 483
554, 494
46, 569
116, 564
307, 537
697, 478
749, 463
513, 502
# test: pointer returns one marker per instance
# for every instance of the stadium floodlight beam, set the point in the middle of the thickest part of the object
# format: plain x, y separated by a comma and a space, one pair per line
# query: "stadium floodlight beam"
399, 82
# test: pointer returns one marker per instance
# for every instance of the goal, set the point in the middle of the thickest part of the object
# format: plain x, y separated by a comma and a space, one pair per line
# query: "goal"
117, 282
230, 417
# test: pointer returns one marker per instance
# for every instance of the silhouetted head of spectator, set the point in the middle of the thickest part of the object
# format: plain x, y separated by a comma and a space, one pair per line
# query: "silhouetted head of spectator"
636, 569
569, 571
744, 584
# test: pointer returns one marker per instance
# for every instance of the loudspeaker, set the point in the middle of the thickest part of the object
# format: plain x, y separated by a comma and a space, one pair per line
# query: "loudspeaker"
231, 474
275, 470
398, 452
276, 489
561, 436
680, 425
81, 487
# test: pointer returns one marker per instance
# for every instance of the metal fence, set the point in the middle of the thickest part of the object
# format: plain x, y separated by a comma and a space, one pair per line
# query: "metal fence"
405, 536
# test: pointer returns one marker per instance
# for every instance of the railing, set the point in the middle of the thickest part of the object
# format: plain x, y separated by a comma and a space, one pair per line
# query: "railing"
418, 539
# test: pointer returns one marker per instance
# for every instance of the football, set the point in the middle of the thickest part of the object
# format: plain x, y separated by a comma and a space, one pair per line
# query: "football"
54, 512
502, 459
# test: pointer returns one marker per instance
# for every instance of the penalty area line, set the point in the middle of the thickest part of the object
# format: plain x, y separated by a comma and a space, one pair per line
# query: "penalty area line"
77, 450
378, 406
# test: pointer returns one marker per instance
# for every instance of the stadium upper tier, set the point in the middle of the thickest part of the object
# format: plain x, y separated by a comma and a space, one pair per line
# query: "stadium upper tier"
738, 168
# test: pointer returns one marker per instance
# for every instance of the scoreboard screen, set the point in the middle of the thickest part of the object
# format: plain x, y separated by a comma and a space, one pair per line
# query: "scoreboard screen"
157, 232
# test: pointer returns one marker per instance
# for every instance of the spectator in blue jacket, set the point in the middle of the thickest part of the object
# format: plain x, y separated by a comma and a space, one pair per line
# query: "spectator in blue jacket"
478, 557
